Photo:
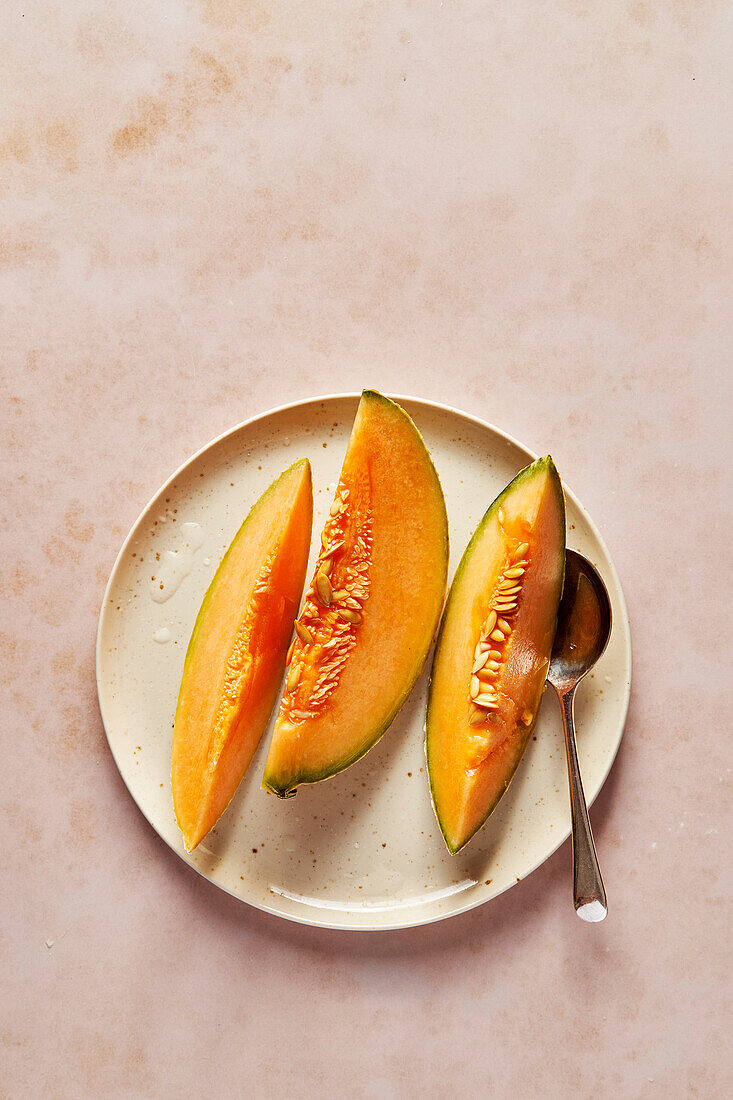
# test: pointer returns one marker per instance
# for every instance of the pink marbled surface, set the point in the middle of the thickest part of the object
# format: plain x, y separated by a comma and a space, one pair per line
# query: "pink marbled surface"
213, 207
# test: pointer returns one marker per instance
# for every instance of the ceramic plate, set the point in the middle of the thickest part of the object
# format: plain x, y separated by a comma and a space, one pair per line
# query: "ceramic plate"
362, 850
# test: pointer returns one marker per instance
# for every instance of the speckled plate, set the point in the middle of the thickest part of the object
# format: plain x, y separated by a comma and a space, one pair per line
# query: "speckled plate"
363, 850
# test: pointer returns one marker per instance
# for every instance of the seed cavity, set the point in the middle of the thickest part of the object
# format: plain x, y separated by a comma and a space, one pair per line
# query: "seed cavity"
492, 648
333, 606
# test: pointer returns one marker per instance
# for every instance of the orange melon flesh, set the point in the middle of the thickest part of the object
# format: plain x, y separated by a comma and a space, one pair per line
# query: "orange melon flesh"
471, 764
235, 659
364, 634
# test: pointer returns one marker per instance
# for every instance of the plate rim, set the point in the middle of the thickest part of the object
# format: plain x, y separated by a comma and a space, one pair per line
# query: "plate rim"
441, 407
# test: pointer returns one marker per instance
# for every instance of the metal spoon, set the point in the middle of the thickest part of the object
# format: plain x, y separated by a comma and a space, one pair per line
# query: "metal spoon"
583, 629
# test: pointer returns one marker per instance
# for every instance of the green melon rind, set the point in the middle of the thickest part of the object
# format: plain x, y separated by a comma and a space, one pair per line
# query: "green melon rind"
524, 475
373, 737
300, 463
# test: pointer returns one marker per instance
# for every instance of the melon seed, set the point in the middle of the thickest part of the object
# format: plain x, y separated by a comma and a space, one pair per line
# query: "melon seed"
289, 655
326, 565
475, 717
335, 507
325, 591
488, 702
303, 633
490, 622
494, 655
475, 687
516, 572
494, 665
339, 594
293, 677
489, 691
479, 663
349, 616
487, 674
520, 551
299, 714
497, 636
504, 625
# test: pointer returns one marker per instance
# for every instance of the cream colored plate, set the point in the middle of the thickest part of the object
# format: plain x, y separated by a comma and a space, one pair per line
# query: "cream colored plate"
362, 850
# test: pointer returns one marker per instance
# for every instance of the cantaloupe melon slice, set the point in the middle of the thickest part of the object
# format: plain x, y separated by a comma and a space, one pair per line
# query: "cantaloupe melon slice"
366, 627
493, 651
235, 659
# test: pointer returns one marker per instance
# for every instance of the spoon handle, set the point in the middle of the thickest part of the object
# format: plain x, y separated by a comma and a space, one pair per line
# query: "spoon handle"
589, 895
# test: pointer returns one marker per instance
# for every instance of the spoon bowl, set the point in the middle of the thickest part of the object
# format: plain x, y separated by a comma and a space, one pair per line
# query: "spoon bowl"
583, 623
583, 630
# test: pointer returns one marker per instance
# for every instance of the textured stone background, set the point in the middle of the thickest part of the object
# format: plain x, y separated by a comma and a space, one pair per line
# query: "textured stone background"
213, 207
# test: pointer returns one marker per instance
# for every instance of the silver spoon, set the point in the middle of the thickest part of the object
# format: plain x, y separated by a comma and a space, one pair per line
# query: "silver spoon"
583, 629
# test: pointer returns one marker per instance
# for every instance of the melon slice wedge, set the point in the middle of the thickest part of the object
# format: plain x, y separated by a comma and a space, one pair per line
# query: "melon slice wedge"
369, 618
493, 651
235, 659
